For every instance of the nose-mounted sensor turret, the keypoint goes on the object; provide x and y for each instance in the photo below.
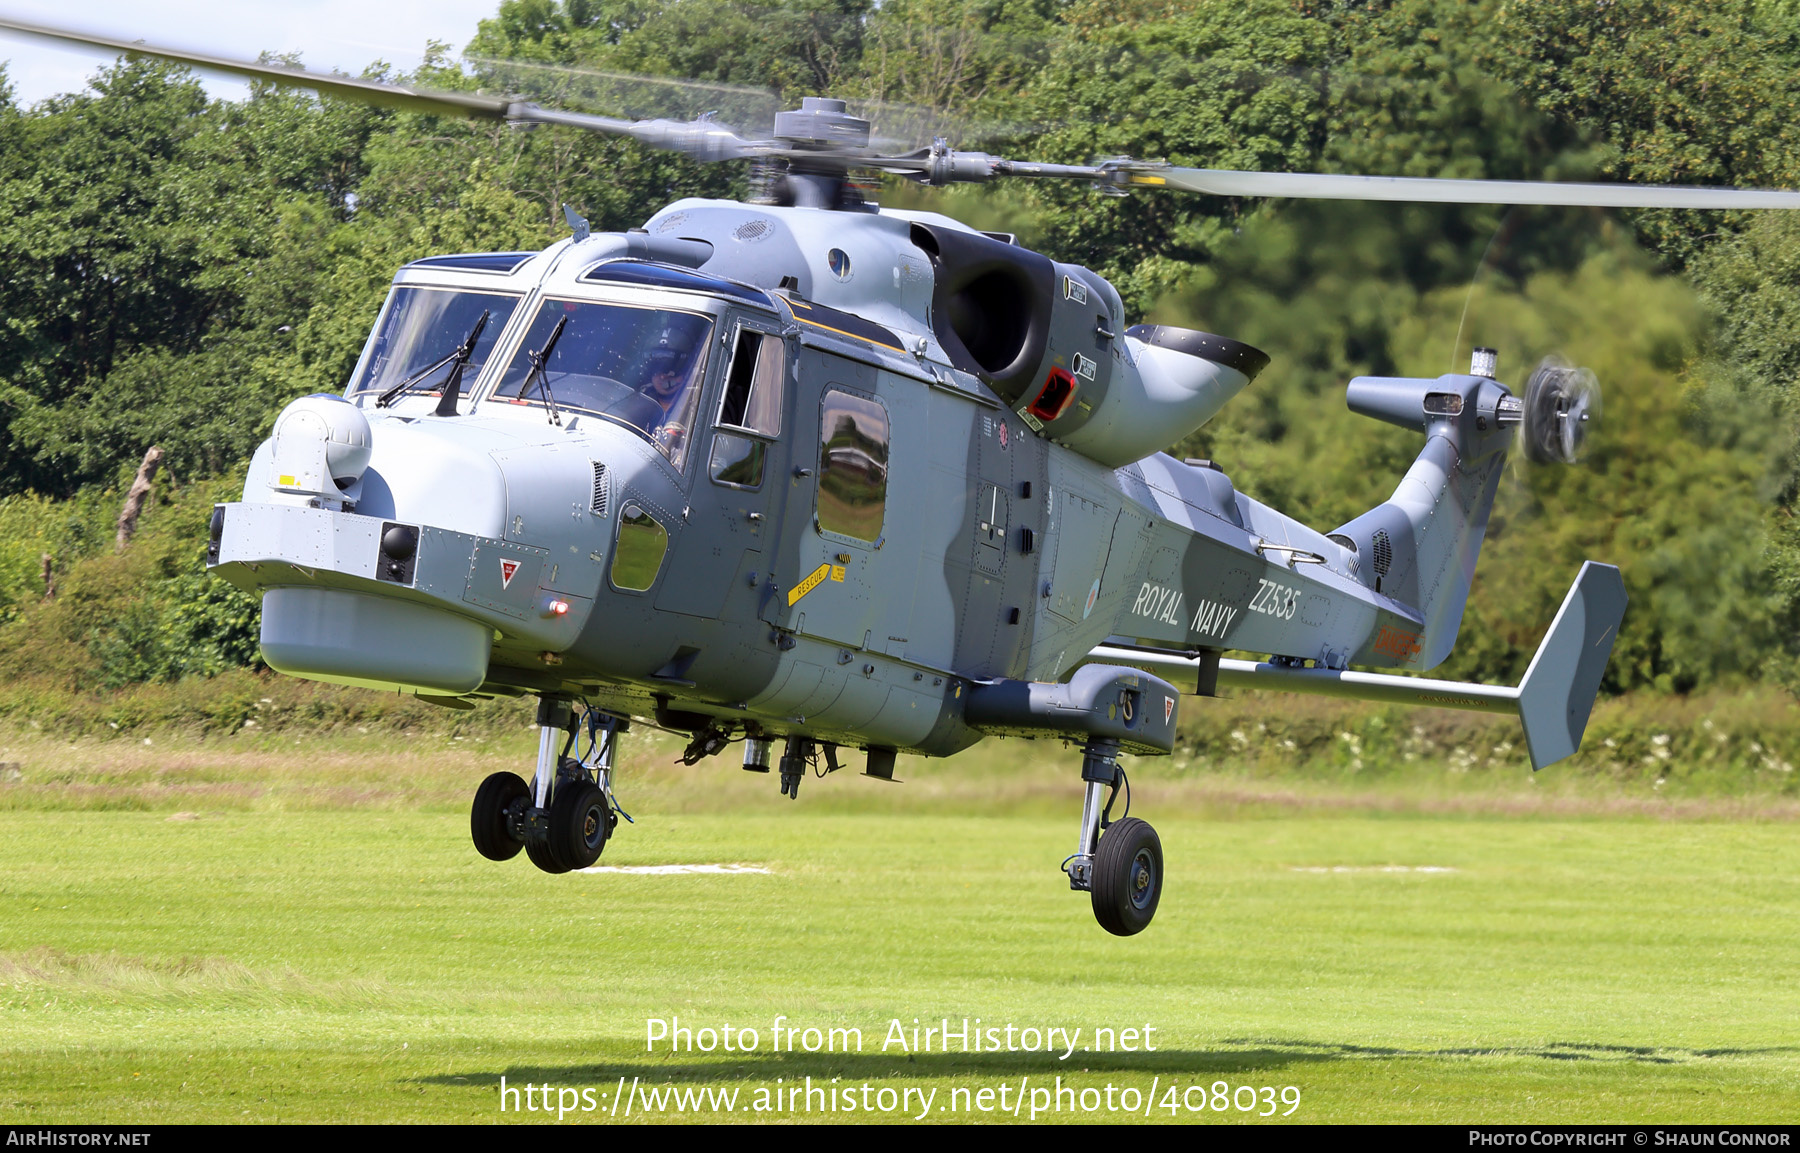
(321, 447)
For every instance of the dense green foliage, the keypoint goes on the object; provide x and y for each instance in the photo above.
(149, 613)
(176, 268)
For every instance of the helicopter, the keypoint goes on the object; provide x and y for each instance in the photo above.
(811, 471)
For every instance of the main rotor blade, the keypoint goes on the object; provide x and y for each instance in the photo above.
(630, 95)
(434, 101)
(700, 139)
(1324, 186)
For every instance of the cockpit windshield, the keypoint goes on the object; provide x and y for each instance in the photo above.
(422, 326)
(643, 367)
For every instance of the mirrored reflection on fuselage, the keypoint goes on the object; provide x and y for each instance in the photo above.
(643, 367)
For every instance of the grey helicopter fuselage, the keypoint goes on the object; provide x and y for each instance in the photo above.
(845, 476)
(884, 532)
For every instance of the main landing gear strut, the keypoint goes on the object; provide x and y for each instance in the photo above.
(1118, 863)
(562, 819)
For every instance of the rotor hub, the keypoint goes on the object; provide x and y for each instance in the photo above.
(821, 123)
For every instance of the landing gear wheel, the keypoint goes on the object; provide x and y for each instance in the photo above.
(487, 816)
(580, 821)
(1128, 872)
(544, 858)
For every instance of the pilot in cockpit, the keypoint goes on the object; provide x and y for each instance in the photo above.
(667, 375)
(667, 370)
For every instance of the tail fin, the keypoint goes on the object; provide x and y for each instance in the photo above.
(1420, 545)
(1558, 691)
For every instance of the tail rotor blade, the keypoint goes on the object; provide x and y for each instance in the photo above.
(1561, 405)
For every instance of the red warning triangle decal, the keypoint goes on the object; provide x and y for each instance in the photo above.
(508, 570)
(1168, 709)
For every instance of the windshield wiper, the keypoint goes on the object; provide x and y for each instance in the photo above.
(539, 360)
(459, 358)
(453, 382)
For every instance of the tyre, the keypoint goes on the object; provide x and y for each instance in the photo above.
(488, 823)
(580, 820)
(1128, 873)
(544, 858)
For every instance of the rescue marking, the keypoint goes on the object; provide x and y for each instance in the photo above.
(1168, 709)
(508, 570)
(814, 579)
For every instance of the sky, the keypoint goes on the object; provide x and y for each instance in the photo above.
(346, 35)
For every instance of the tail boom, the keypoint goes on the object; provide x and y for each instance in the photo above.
(1553, 701)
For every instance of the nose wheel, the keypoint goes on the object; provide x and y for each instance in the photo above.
(563, 818)
(580, 822)
(1118, 863)
(494, 817)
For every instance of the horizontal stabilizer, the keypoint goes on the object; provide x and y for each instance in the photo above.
(1553, 701)
(1557, 693)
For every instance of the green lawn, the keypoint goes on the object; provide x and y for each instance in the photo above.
(360, 962)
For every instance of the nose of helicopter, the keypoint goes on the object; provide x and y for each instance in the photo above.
(455, 539)
(325, 453)
(440, 475)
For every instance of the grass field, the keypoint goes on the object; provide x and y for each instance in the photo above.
(273, 930)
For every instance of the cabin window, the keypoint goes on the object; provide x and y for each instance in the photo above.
(423, 326)
(641, 367)
(853, 456)
(738, 460)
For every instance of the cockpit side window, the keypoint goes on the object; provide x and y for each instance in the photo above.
(753, 389)
(421, 327)
(642, 367)
(751, 404)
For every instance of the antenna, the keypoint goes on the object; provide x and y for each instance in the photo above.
(578, 224)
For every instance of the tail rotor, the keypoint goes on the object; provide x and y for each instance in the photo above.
(1561, 404)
